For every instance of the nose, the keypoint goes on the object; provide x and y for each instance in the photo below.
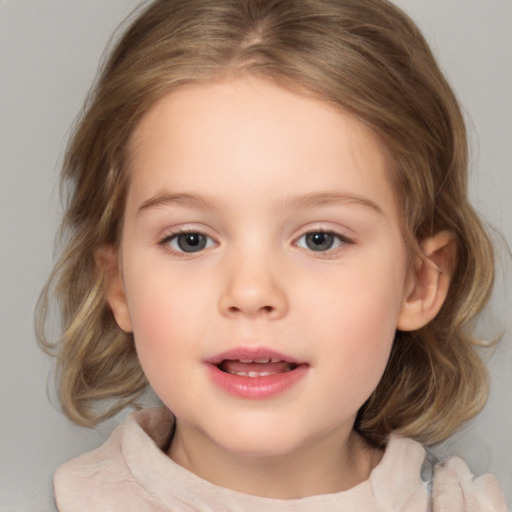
(252, 288)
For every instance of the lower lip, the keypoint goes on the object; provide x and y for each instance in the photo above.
(256, 388)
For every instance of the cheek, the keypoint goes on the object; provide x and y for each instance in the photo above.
(157, 299)
(358, 354)
(162, 346)
(359, 317)
(167, 313)
(155, 316)
(363, 340)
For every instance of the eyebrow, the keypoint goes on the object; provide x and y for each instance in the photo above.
(175, 199)
(312, 200)
(327, 198)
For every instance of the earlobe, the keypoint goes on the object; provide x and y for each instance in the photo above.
(108, 261)
(428, 282)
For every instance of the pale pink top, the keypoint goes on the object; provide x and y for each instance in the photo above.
(131, 473)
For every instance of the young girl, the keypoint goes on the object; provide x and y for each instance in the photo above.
(268, 224)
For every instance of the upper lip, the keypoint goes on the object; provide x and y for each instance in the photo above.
(254, 354)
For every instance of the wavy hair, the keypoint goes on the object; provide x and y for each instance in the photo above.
(363, 56)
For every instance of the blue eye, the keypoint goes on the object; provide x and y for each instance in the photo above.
(188, 242)
(320, 241)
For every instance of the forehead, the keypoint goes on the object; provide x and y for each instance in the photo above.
(258, 135)
(244, 103)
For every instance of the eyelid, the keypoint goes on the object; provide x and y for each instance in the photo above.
(336, 229)
(174, 233)
(343, 240)
(339, 234)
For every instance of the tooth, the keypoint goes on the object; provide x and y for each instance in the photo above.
(264, 374)
(263, 361)
(274, 360)
(254, 374)
(245, 360)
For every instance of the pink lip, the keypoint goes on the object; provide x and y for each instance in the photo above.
(251, 353)
(254, 388)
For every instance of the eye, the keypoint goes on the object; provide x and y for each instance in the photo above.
(321, 241)
(188, 242)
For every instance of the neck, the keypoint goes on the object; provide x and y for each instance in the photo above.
(316, 468)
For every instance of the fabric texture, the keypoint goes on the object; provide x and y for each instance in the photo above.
(131, 473)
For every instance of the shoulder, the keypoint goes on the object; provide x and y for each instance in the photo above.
(456, 489)
(409, 477)
(104, 479)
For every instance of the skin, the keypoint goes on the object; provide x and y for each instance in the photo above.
(254, 168)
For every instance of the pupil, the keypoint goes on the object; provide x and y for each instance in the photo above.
(319, 241)
(191, 242)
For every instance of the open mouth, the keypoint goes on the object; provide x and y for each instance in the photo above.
(253, 368)
(253, 373)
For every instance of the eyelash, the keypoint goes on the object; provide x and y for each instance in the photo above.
(338, 239)
(168, 239)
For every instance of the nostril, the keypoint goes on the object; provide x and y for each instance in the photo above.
(253, 302)
(264, 309)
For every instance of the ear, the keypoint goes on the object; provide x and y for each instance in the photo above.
(108, 261)
(428, 282)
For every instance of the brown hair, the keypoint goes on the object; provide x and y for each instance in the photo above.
(364, 56)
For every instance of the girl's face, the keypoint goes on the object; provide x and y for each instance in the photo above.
(263, 265)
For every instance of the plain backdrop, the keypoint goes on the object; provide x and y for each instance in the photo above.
(49, 51)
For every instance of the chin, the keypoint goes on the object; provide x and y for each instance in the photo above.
(260, 440)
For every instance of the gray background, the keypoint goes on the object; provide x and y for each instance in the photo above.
(49, 50)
